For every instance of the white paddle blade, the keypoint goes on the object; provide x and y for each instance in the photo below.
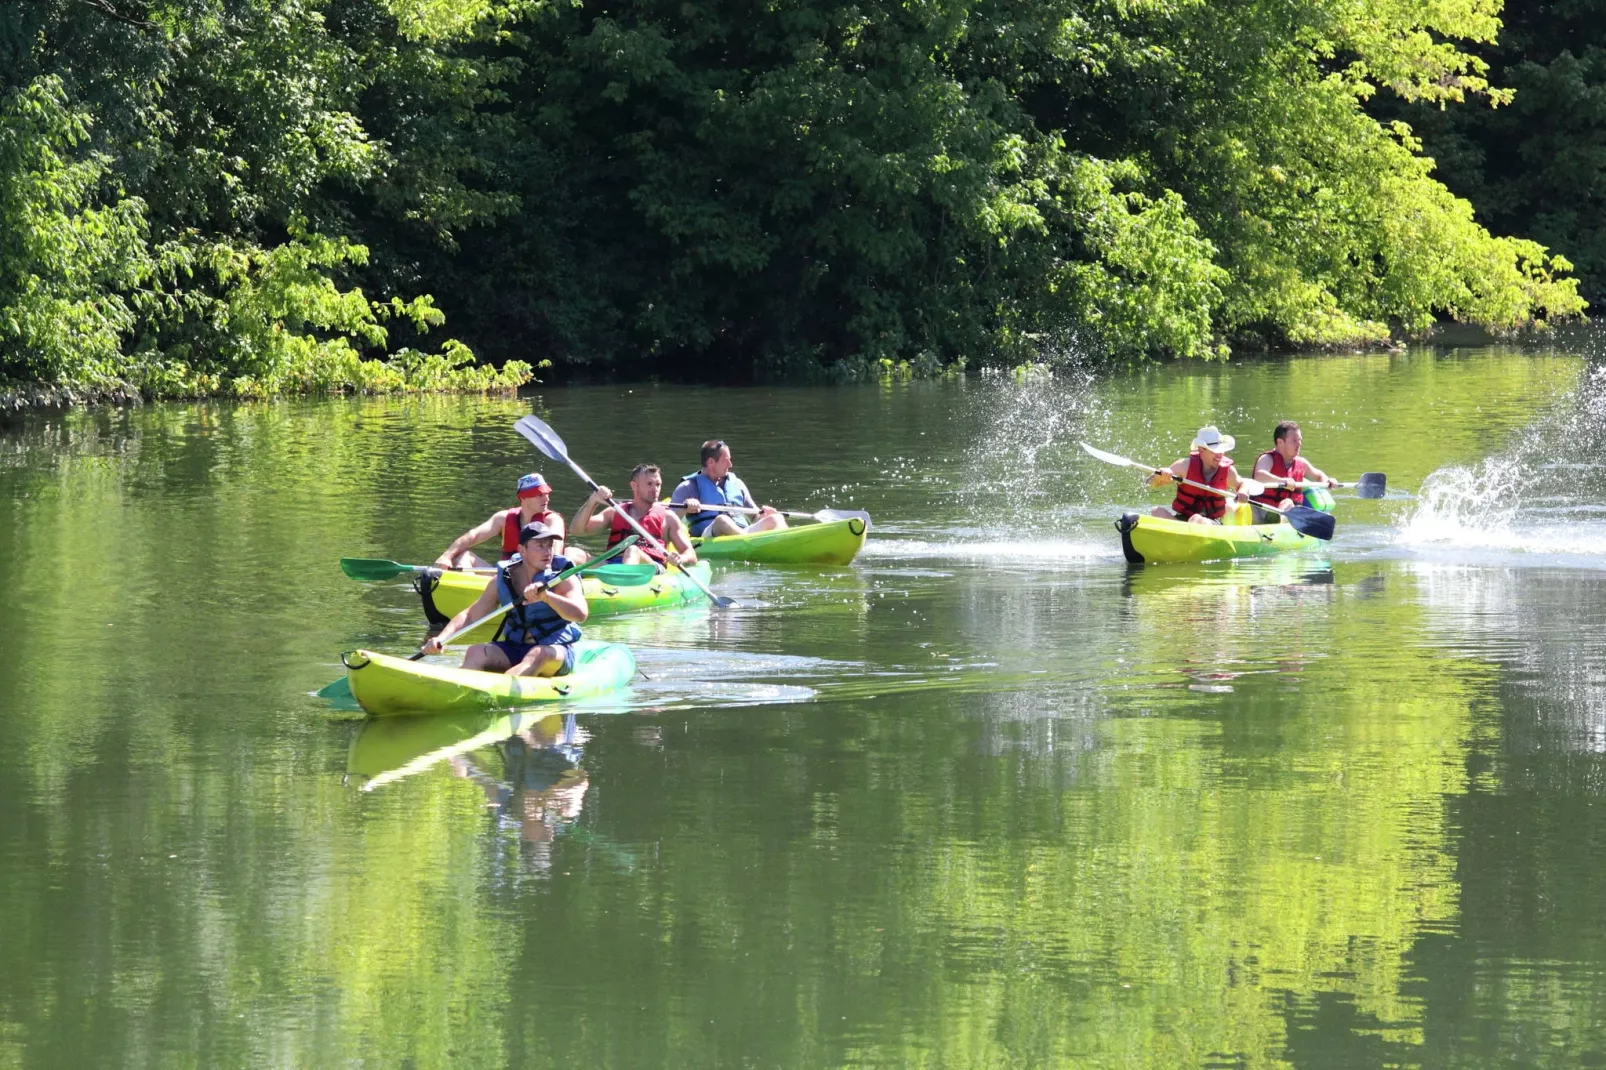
(1111, 458)
(1252, 487)
(825, 516)
(542, 438)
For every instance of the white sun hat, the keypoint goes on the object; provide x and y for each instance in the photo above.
(1213, 440)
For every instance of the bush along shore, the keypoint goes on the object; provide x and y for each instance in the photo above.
(256, 197)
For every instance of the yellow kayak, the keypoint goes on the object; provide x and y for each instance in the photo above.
(447, 593)
(383, 685)
(1159, 540)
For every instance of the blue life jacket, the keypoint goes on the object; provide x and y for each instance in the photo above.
(532, 623)
(708, 492)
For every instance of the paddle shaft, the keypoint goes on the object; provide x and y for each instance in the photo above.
(1249, 487)
(822, 516)
(619, 510)
(572, 570)
(562, 454)
(1244, 485)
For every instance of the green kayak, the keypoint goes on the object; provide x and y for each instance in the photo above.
(835, 542)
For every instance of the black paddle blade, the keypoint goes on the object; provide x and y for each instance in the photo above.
(1371, 485)
(542, 438)
(1312, 522)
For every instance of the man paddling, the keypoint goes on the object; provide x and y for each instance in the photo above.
(534, 496)
(538, 634)
(1207, 462)
(715, 484)
(646, 482)
(1282, 464)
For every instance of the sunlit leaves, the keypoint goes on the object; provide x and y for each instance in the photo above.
(65, 262)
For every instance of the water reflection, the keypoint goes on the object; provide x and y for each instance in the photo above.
(527, 765)
(988, 797)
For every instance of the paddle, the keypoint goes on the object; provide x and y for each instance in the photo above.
(824, 516)
(547, 441)
(340, 688)
(1370, 485)
(375, 568)
(1302, 518)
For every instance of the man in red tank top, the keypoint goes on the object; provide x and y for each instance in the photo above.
(1207, 462)
(1283, 464)
(534, 495)
(646, 483)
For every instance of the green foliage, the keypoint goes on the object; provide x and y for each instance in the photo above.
(66, 264)
(1536, 166)
(191, 245)
(698, 187)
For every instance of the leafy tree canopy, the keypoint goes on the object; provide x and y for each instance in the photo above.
(258, 195)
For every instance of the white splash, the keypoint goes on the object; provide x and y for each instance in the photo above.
(1484, 508)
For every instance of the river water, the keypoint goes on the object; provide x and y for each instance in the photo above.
(989, 797)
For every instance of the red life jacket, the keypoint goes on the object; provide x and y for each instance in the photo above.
(511, 525)
(1191, 501)
(652, 524)
(1277, 495)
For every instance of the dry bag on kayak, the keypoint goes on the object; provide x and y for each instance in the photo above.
(1319, 498)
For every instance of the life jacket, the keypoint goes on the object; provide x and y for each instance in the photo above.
(1280, 468)
(511, 525)
(652, 524)
(1191, 501)
(706, 491)
(533, 623)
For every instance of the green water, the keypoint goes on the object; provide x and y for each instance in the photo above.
(989, 797)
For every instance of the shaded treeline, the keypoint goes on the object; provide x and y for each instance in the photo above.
(1536, 166)
(256, 195)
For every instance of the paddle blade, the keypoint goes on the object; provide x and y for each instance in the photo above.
(542, 438)
(1252, 487)
(1371, 485)
(335, 690)
(373, 568)
(1312, 522)
(624, 575)
(825, 516)
(1111, 458)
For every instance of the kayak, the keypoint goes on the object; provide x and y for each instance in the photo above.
(386, 749)
(1159, 540)
(447, 593)
(835, 542)
(384, 685)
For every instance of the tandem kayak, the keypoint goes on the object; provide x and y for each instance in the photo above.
(1158, 540)
(445, 594)
(835, 542)
(385, 685)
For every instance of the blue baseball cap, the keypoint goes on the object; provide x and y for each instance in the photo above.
(533, 484)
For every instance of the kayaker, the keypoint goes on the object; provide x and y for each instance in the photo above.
(538, 634)
(1207, 462)
(646, 483)
(534, 495)
(1283, 464)
(715, 484)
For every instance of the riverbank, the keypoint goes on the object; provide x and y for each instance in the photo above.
(378, 378)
